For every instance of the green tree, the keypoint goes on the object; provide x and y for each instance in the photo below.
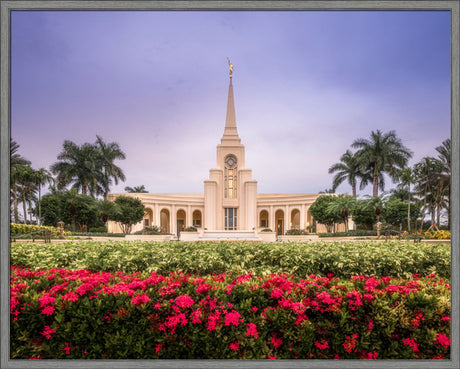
(321, 214)
(342, 205)
(395, 212)
(367, 211)
(16, 161)
(108, 153)
(382, 153)
(444, 156)
(350, 170)
(79, 166)
(25, 177)
(51, 210)
(106, 209)
(406, 177)
(130, 211)
(41, 177)
(136, 189)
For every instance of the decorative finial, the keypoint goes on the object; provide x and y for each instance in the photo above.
(231, 67)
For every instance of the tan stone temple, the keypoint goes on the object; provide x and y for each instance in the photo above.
(230, 207)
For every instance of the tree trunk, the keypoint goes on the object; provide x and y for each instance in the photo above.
(84, 189)
(408, 212)
(39, 205)
(15, 205)
(353, 190)
(375, 186)
(24, 206)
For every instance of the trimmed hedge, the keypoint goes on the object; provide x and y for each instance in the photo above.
(61, 314)
(19, 229)
(343, 259)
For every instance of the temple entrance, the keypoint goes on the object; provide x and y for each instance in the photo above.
(279, 221)
(164, 221)
(180, 222)
(263, 219)
(295, 219)
(197, 219)
(148, 217)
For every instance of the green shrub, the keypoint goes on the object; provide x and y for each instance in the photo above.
(356, 233)
(20, 229)
(266, 230)
(343, 259)
(62, 314)
(295, 232)
(97, 230)
(191, 229)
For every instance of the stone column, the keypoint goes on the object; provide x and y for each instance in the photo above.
(173, 216)
(189, 216)
(287, 218)
(271, 218)
(156, 215)
(302, 217)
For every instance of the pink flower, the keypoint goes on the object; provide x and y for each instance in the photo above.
(184, 301)
(66, 349)
(252, 330)
(196, 316)
(48, 310)
(276, 341)
(322, 345)
(47, 332)
(271, 358)
(140, 299)
(410, 342)
(46, 299)
(442, 340)
(159, 347)
(70, 296)
(233, 317)
(235, 346)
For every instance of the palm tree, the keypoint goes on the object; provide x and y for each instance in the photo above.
(42, 176)
(78, 165)
(136, 189)
(26, 180)
(445, 153)
(406, 176)
(348, 169)
(105, 209)
(16, 161)
(108, 153)
(382, 153)
(342, 205)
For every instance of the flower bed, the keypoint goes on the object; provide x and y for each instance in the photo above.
(78, 314)
(343, 259)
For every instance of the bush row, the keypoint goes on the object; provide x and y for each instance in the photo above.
(343, 259)
(61, 314)
(19, 229)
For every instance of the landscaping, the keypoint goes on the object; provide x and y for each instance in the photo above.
(224, 300)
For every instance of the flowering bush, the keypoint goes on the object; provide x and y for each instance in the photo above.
(19, 229)
(438, 235)
(79, 314)
(343, 259)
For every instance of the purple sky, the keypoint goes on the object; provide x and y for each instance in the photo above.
(306, 84)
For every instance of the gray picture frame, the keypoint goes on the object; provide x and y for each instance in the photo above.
(8, 6)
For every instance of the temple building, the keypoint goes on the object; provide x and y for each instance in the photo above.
(230, 206)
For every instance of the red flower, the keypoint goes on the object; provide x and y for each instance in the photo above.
(276, 342)
(159, 347)
(410, 342)
(184, 301)
(70, 296)
(322, 345)
(235, 346)
(233, 317)
(252, 330)
(140, 299)
(47, 332)
(442, 340)
(48, 310)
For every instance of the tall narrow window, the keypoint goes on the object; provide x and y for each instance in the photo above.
(230, 175)
(230, 219)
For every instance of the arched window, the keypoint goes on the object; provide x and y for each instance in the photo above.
(263, 219)
(230, 177)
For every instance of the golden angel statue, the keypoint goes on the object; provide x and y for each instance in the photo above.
(231, 67)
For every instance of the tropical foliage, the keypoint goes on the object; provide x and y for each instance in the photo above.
(398, 259)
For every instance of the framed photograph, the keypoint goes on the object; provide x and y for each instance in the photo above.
(230, 183)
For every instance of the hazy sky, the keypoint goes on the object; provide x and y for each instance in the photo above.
(306, 85)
